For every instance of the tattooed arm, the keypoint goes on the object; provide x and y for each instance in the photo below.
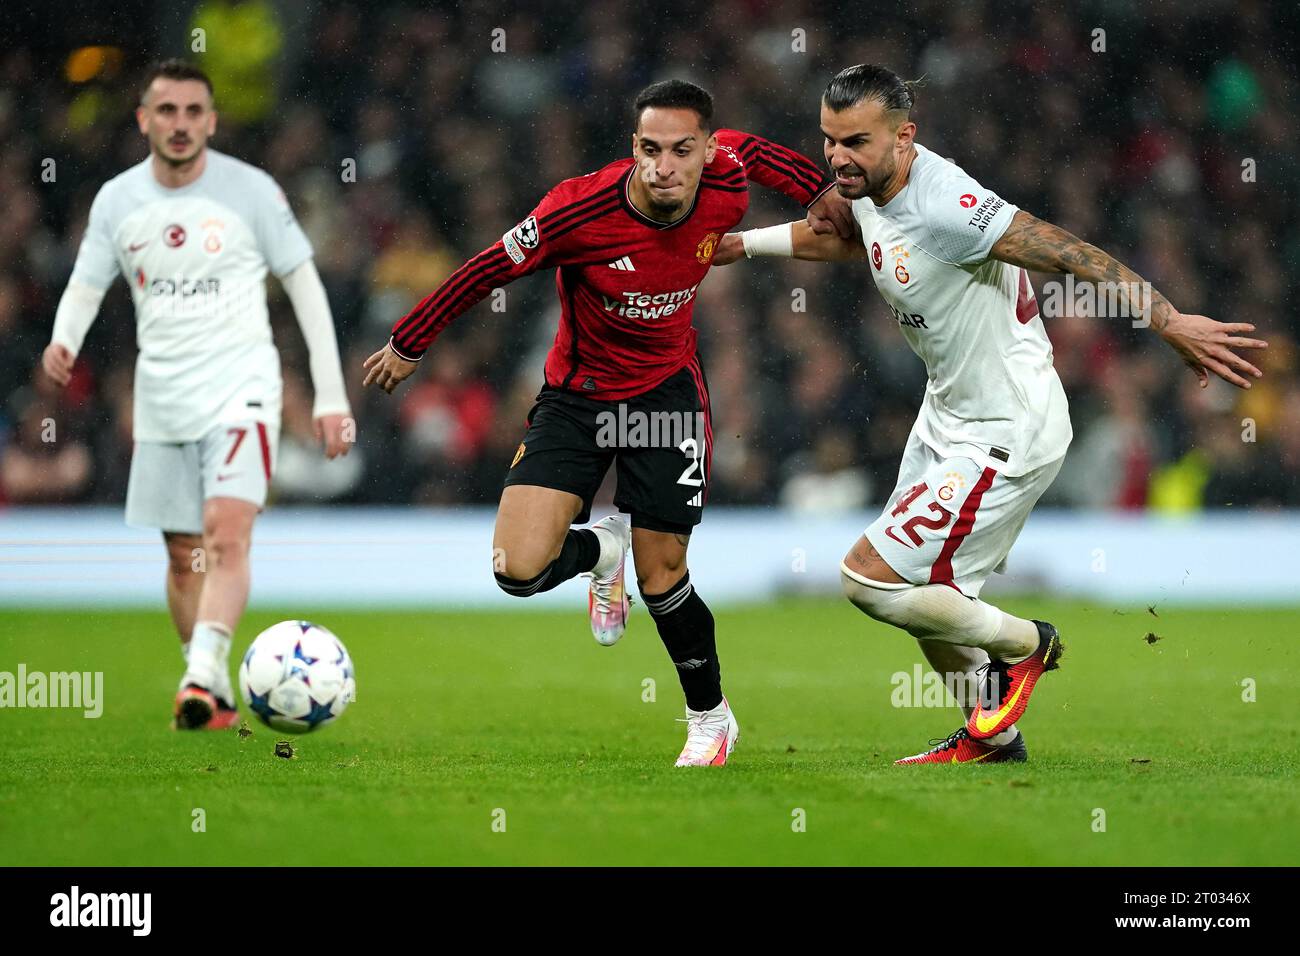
(1203, 344)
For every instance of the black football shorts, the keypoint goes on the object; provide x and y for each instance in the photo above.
(661, 442)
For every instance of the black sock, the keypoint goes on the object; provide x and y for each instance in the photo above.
(686, 628)
(579, 553)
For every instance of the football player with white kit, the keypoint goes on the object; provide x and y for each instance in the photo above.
(951, 260)
(194, 232)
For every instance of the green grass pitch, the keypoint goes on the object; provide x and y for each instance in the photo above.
(463, 715)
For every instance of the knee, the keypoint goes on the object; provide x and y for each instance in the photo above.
(854, 591)
(185, 565)
(182, 559)
(225, 541)
(514, 574)
(659, 578)
(520, 578)
(877, 600)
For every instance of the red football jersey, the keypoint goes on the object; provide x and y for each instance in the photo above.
(626, 282)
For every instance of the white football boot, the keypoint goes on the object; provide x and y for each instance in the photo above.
(607, 601)
(711, 736)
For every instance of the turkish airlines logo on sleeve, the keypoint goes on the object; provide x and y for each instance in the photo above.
(967, 201)
(988, 209)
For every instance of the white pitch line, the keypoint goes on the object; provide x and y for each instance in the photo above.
(288, 542)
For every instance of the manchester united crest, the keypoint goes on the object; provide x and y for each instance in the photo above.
(704, 251)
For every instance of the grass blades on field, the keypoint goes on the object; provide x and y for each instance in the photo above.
(466, 719)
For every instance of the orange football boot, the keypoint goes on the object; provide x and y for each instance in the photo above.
(959, 748)
(1004, 694)
(199, 709)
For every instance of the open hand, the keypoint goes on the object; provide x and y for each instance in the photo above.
(387, 369)
(1207, 346)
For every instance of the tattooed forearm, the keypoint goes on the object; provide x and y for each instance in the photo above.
(1042, 247)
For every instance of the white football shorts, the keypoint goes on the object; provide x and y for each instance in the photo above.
(951, 521)
(170, 481)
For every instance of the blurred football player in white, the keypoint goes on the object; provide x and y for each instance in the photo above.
(194, 232)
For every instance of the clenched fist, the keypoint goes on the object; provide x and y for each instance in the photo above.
(57, 361)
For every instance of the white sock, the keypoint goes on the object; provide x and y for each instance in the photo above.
(1017, 637)
(185, 652)
(611, 551)
(1002, 739)
(959, 666)
(209, 656)
(941, 613)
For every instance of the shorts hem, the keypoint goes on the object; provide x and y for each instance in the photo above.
(261, 505)
(885, 554)
(587, 498)
(650, 523)
(144, 525)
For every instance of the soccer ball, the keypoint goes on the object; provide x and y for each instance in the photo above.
(297, 676)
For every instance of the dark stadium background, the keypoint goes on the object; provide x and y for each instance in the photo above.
(1162, 741)
(1139, 149)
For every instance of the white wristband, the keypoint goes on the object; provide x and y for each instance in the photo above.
(769, 241)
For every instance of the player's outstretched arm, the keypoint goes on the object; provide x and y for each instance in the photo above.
(414, 332)
(552, 235)
(791, 240)
(1203, 344)
(793, 174)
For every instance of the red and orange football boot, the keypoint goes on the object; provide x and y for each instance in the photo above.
(225, 718)
(959, 748)
(1004, 695)
(199, 709)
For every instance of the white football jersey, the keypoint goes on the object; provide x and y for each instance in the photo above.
(196, 260)
(992, 393)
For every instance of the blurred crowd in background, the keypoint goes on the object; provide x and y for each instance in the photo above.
(1169, 140)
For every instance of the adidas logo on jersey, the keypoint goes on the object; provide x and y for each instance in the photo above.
(623, 265)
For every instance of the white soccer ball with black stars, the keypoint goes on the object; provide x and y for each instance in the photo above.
(297, 676)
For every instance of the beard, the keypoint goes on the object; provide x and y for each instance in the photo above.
(664, 210)
(853, 192)
(872, 182)
(172, 160)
